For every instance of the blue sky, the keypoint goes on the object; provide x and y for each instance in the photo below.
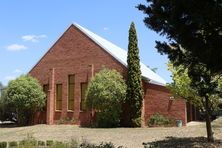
(29, 28)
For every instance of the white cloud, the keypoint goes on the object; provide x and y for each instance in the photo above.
(105, 28)
(15, 47)
(8, 78)
(17, 71)
(33, 38)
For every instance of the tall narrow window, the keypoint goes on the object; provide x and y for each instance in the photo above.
(83, 95)
(58, 96)
(71, 89)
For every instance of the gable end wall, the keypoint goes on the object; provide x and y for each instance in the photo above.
(73, 53)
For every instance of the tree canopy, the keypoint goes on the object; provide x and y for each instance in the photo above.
(105, 94)
(26, 96)
(193, 29)
(182, 87)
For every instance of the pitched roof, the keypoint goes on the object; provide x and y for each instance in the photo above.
(121, 55)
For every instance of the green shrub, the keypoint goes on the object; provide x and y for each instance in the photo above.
(86, 144)
(106, 145)
(41, 143)
(3, 144)
(49, 142)
(58, 144)
(136, 122)
(160, 120)
(107, 119)
(12, 144)
(26, 95)
(74, 143)
(105, 94)
(29, 142)
(21, 142)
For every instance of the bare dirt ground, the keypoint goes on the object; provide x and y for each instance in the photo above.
(189, 136)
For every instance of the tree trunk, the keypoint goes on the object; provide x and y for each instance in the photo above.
(210, 137)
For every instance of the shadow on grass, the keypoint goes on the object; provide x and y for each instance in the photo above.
(12, 125)
(176, 142)
(8, 125)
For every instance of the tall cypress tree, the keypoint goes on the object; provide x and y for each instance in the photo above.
(134, 94)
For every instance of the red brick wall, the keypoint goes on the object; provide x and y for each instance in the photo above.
(72, 54)
(157, 100)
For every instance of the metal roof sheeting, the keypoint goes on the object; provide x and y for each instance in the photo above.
(121, 55)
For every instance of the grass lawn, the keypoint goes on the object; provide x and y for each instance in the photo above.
(189, 136)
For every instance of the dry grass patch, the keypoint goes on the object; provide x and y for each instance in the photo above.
(128, 137)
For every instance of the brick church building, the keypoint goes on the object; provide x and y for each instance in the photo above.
(66, 69)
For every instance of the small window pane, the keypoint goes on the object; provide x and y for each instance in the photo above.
(83, 95)
(71, 105)
(71, 92)
(59, 97)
